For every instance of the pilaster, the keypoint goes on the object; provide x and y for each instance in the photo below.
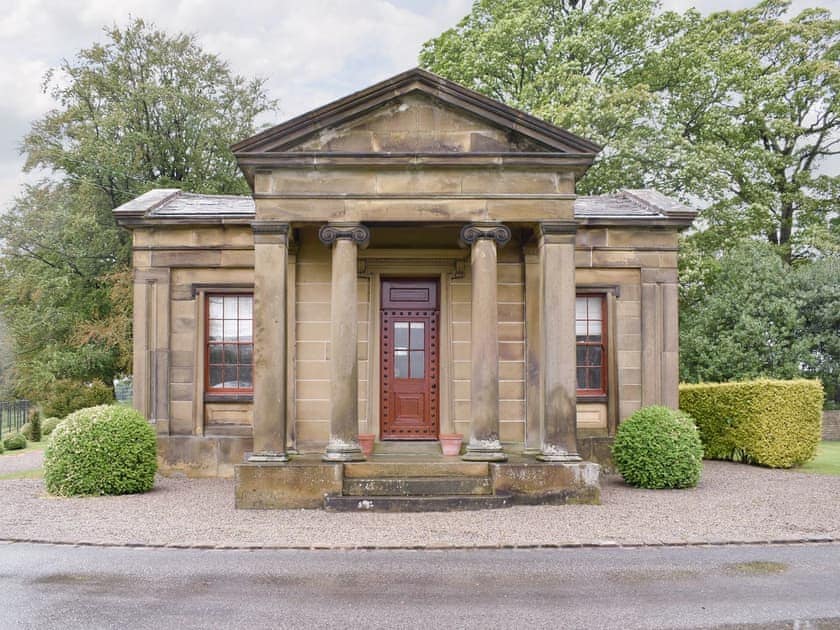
(559, 387)
(271, 241)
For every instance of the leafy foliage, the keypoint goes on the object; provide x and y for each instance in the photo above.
(818, 297)
(737, 109)
(66, 396)
(750, 100)
(35, 423)
(765, 422)
(657, 447)
(146, 107)
(743, 322)
(49, 425)
(109, 449)
(573, 63)
(142, 109)
(14, 442)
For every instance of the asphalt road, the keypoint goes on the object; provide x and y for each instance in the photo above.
(794, 586)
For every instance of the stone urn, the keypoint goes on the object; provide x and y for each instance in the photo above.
(450, 443)
(366, 441)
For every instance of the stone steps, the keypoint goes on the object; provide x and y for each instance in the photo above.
(416, 486)
(341, 503)
(406, 468)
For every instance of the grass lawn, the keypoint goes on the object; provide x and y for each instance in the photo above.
(30, 446)
(37, 473)
(827, 460)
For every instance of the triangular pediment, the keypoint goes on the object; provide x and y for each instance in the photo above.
(415, 112)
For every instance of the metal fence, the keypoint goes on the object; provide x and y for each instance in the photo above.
(13, 415)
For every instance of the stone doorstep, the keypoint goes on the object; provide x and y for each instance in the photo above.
(339, 503)
(417, 486)
(306, 482)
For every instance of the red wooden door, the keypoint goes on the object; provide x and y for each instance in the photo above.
(409, 326)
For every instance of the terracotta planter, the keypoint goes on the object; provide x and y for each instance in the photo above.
(366, 441)
(450, 443)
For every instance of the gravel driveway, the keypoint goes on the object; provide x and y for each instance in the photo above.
(733, 503)
(20, 462)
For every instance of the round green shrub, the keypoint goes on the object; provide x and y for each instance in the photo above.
(26, 430)
(67, 395)
(2, 448)
(48, 425)
(658, 447)
(14, 441)
(109, 449)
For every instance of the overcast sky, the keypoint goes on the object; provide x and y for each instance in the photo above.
(311, 51)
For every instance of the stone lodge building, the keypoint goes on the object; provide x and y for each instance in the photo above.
(413, 262)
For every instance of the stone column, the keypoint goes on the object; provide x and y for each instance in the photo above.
(271, 241)
(557, 260)
(344, 371)
(484, 444)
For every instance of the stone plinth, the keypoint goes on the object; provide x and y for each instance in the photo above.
(269, 485)
(544, 483)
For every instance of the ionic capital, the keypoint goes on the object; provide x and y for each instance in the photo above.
(331, 232)
(473, 232)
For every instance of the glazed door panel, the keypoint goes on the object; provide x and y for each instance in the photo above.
(409, 325)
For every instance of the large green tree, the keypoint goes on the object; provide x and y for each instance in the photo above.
(146, 108)
(143, 109)
(749, 102)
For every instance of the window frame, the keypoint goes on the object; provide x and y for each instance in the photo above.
(215, 393)
(601, 393)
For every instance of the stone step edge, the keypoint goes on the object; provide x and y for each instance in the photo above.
(448, 503)
(355, 486)
(368, 470)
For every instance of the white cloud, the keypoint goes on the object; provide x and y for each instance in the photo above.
(311, 51)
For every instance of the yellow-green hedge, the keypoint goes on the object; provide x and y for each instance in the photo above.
(766, 422)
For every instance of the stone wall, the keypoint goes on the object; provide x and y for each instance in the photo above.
(831, 425)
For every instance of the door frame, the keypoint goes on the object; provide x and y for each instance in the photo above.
(431, 391)
(445, 268)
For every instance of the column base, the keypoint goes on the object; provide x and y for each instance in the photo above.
(343, 452)
(267, 456)
(557, 454)
(484, 451)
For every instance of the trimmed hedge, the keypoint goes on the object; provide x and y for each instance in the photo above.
(657, 447)
(767, 422)
(14, 442)
(109, 449)
(66, 396)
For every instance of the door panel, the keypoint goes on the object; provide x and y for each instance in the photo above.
(409, 326)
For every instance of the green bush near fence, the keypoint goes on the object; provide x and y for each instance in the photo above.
(109, 449)
(48, 425)
(766, 422)
(657, 447)
(66, 396)
(14, 442)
